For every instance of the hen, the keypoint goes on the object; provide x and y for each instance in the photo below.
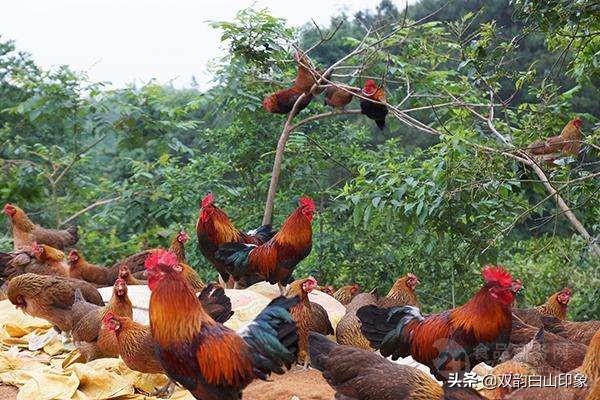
(25, 232)
(345, 294)
(372, 110)
(567, 143)
(356, 374)
(557, 306)
(89, 335)
(309, 316)
(50, 297)
(276, 259)
(453, 341)
(214, 229)
(581, 332)
(80, 268)
(402, 293)
(338, 98)
(205, 357)
(38, 259)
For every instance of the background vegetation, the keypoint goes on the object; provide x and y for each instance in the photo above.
(130, 165)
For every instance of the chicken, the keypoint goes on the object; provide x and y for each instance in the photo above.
(345, 294)
(24, 261)
(327, 289)
(356, 374)
(53, 259)
(25, 232)
(337, 98)
(89, 335)
(276, 259)
(50, 297)
(125, 274)
(210, 360)
(135, 342)
(348, 330)
(282, 102)
(535, 354)
(214, 229)
(565, 144)
(309, 316)
(557, 306)
(100, 276)
(581, 332)
(374, 111)
(500, 371)
(559, 353)
(453, 341)
(590, 370)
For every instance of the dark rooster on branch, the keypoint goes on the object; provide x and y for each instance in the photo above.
(214, 228)
(275, 260)
(374, 111)
(283, 101)
(356, 374)
(453, 341)
(210, 360)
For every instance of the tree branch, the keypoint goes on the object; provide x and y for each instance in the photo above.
(89, 208)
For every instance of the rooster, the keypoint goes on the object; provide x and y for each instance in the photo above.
(25, 232)
(214, 229)
(210, 360)
(565, 144)
(374, 111)
(282, 102)
(276, 259)
(50, 297)
(309, 316)
(455, 340)
(357, 374)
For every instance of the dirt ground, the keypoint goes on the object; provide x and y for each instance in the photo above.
(304, 385)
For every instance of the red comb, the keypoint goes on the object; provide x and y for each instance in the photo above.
(208, 200)
(497, 274)
(306, 201)
(161, 257)
(120, 281)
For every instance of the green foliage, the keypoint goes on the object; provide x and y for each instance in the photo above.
(388, 202)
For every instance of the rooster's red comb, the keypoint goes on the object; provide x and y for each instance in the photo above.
(208, 200)
(161, 257)
(498, 275)
(307, 202)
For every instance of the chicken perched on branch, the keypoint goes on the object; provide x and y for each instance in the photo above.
(214, 229)
(557, 306)
(210, 360)
(309, 316)
(276, 259)
(402, 293)
(25, 232)
(374, 111)
(565, 144)
(338, 98)
(453, 341)
(283, 101)
(345, 294)
(357, 374)
(50, 297)
(89, 335)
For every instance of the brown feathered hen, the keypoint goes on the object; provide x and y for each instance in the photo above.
(309, 316)
(42, 262)
(565, 144)
(345, 294)
(581, 332)
(25, 232)
(557, 306)
(50, 297)
(89, 335)
(338, 98)
(357, 374)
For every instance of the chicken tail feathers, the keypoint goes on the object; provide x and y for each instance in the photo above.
(384, 327)
(319, 348)
(216, 303)
(273, 338)
(73, 231)
(380, 123)
(263, 232)
(235, 256)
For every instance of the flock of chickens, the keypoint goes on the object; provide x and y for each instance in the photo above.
(187, 341)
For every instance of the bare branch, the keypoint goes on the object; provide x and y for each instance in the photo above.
(89, 208)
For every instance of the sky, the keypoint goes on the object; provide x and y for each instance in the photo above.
(133, 41)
